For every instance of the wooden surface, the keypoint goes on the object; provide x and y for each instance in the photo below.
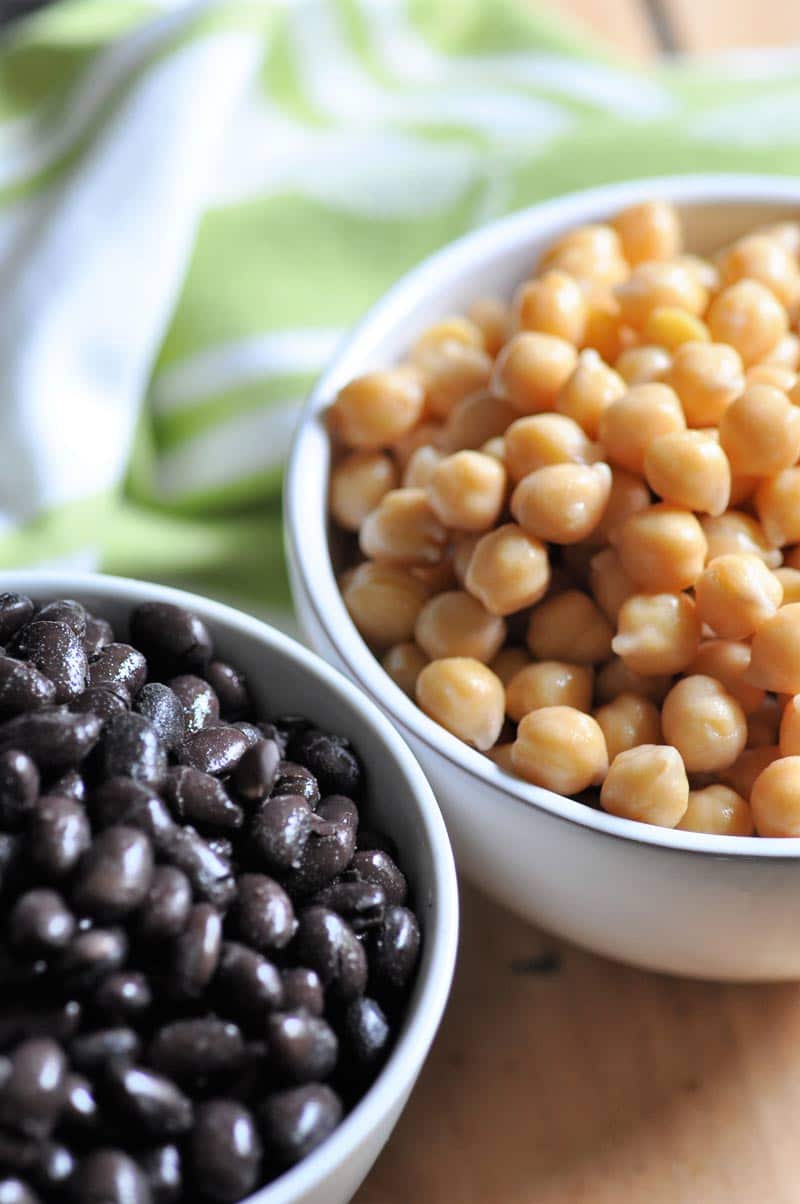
(564, 1078)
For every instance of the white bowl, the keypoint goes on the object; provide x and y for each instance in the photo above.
(286, 677)
(685, 903)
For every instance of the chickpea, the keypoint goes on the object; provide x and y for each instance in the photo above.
(452, 371)
(420, 467)
(553, 304)
(649, 230)
(760, 431)
(403, 529)
(462, 550)
(508, 663)
(706, 377)
(649, 784)
(774, 375)
(549, 684)
(662, 548)
(628, 721)
(786, 233)
(764, 724)
(493, 319)
(736, 531)
(560, 749)
(629, 495)
(467, 491)
(404, 663)
(569, 627)
(358, 484)
(427, 434)
(703, 270)
(742, 489)
(465, 697)
(437, 577)
(775, 652)
(474, 420)
(669, 327)
(790, 583)
(657, 633)
(705, 723)
(728, 662)
(643, 365)
(748, 317)
(735, 594)
(454, 329)
(778, 506)
(719, 811)
(753, 761)
(789, 730)
(628, 426)
(775, 798)
(496, 448)
(605, 333)
(590, 388)
(384, 602)
(531, 370)
(615, 678)
(592, 254)
(609, 583)
(541, 439)
(758, 257)
(374, 410)
(562, 503)
(508, 570)
(687, 468)
(454, 624)
(655, 284)
(785, 354)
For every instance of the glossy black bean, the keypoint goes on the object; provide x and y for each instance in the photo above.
(54, 1169)
(70, 785)
(65, 610)
(196, 953)
(270, 732)
(55, 740)
(10, 855)
(15, 1191)
(253, 778)
(23, 687)
(34, 1092)
(99, 633)
(294, 1122)
(19, 788)
(123, 998)
(198, 798)
(199, 704)
(40, 923)
(58, 835)
(104, 701)
(302, 989)
(292, 727)
(215, 750)
(18, 1022)
(365, 1031)
(360, 903)
(109, 1176)
(250, 732)
(131, 748)
(291, 778)
(329, 848)
(231, 689)
(191, 1049)
(173, 638)
(15, 611)
(162, 707)
(328, 945)
(57, 652)
(225, 1151)
(222, 846)
(123, 801)
(95, 1051)
(330, 759)
(165, 912)
(264, 913)
(162, 1166)
(280, 830)
(115, 874)
(209, 874)
(119, 665)
(246, 984)
(91, 956)
(303, 1048)
(377, 867)
(394, 948)
(80, 1111)
(149, 1101)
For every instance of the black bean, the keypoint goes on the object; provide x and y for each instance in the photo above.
(165, 912)
(91, 956)
(34, 1092)
(377, 867)
(210, 875)
(104, 701)
(199, 704)
(247, 984)
(99, 633)
(366, 1031)
(265, 915)
(330, 759)
(54, 1168)
(250, 732)
(132, 748)
(190, 1049)
(15, 611)
(230, 686)
(162, 1166)
(58, 835)
(57, 652)
(95, 1051)
(302, 1047)
(302, 989)
(148, 1100)
(65, 610)
(119, 665)
(40, 923)
(173, 638)
(18, 1154)
(291, 778)
(360, 903)
(115, 874)
(198, 798)
(162, 707)
(196, 952)
(222, 847)
(10, 853)
(110, 1177)
(270, 732)
(225, 1151)
(296, 1121)
(21, 1021)
(80, 1110)
(70, 785)
(280, 830)
(394, 948)
(123, 997)
(55, 739)
(292, 727)
(329, 848)
(328, 945)
(19, 788)
(215, 750)
(14, 1191)
(123, 801)
(23, 687)
(253, 777)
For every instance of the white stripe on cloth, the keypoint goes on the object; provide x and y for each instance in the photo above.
(759, 121)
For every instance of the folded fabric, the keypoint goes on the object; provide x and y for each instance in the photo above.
(197, 199)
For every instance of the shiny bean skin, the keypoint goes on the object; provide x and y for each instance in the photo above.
(148, 1100)
(34, 1091)
(57, 652)
(123, 998)
(119, 665)
(80, 1106)
(19, 789)
(187, 1049)
(109, 1176)
(65, 610)
(302, 1047)
(134, 805)
(251, 733)
(378, 868)
(173, 638)
(14, 1191)
(163, 708)
(329, 848)
(40, 923)
(361, 904)
(199, 704)
(91, 956)
(302, 989)
(131, 748)
(94, 1051)
(10, 856)
(280, 829)
(247, 984)
(21, 1021)
(231, 689)
(70, 785)
(395, 948)
(296, 1121)
(165, 912)
(265, 916)
(196, 953)
(55, 740)
(103, 701)
(23, 687)
(198, 798)
(99, 633)
(115, 874)
(331, 761)
(328, 945)
(254, 776)
(209, 874)
(54, 1169)
(58, 834)
(214, 750)
(225, 1150)
(162, 1166)
(366, 1031)
(15, 611)
(292, 778)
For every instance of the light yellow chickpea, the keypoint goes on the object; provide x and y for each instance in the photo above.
(705, 723)
(789, 730)
(426, 434)
(687, 468)
(376, 409)
(643, 365)
(703, 270)
(562, 503)
(590, 388)
(649, 784)
(605, 332)
(540, 439)
(553, 304)
(508, 570)
(560, 749)
(719, 811)
(706, 377)
(609, 583)
(728, 662)
(790, 583)
(454, 329)
(628, 495)
(786, 353)
(501, 755)
(592, 254)
(403, 529)
(455, 624)
(508, 663)
(474, 420)
(628, 426)
(774, 375)
(496, 448)
(753, 761)
(777, 502)
(615, 678)
(465, 697)
(736, 531)
(775, 798)
(404, 663)
(662, 548)
(628, 721)
(759, 257)
(670, 327)
(760, 431)
(775, 652)
(764, 724)
(654, 284)
(569, 627)
(549, 684)
(450, 372)
(735, 594)
(384, 602)
(467, 491)
(532, 369)
(462, 548)
(657, 633)
(749, 317)
(358, 484)
(420, 467)
(493, 318)
(786, 233)
(649, 230)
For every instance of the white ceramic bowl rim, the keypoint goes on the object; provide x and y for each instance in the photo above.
(305, 487)
(441, 933)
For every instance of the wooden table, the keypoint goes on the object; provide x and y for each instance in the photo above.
(566, 1079)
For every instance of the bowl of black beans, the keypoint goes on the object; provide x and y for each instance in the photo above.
(228, 905)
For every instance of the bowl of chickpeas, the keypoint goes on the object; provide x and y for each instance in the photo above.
(544, 507)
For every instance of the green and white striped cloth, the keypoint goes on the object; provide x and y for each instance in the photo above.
(198, 198)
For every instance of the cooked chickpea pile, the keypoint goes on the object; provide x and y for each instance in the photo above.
(578, 517)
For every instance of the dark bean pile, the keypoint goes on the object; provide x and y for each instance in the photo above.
(203, 955)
